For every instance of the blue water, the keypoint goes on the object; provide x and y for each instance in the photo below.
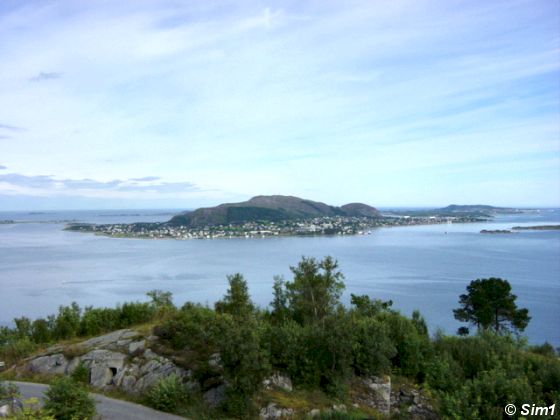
(418, 267)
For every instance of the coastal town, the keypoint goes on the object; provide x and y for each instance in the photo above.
(328, 225)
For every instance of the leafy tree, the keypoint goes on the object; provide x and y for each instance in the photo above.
(490, 305)
(132, 313)
(41, 331)
(161, 299)
(280, 302)
(67, 322)
(236, 302)
(372, 348)
(66, 400)
(419, 322)
(368, 307)
(23, 327)
(315, 290)
(245, 361)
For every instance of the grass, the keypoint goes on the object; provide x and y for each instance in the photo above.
(303, 401)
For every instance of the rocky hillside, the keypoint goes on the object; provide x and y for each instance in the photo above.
(125, 360)
(120, 359)
(272, 208)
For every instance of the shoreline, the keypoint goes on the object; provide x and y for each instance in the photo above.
(182, 233)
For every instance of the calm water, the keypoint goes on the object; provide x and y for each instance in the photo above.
(423, 267)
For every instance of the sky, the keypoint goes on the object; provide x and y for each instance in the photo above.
(181, 104)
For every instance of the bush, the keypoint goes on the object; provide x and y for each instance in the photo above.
(135, 313)
(168, 394)
(8, 390)
(16, 349)
(67, 400)
(194, 326)
(81, 374)
(99, 320)
(372, 348)
(412, 346)
(245, 362)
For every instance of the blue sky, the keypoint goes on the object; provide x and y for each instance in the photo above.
(181, 104)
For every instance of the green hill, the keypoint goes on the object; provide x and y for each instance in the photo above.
(272, 208)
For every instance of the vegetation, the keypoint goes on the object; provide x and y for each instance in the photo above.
(71, 321)
(308, 335)
(321, 345)
(67, 400)
(490, 305)
(168, 394)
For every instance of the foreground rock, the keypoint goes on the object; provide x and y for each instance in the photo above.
(273, 412)
(115, 360)
(378, 393)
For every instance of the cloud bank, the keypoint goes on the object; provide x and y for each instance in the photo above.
(44, 185)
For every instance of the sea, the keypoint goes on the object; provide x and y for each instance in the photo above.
(417, 267)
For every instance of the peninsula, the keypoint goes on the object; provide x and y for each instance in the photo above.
(264, 216)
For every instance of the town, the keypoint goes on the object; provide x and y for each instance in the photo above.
(333, 225)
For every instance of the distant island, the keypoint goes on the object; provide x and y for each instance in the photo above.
(496, 231)
(272, 208)
(471, 210)
(275, 215)
(542, 227)
(538, 227)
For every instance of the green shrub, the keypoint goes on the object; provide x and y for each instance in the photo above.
(67, 400)
(412, 346)
(372, 348)
(245, 361)
(16, 349)
(168, 394)
(8, 390)
(135, 313)
(81, 374)
(194, 326)
(99, 320)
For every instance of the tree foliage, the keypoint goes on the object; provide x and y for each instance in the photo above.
(236, 302)
(490, 305)
(315, 290)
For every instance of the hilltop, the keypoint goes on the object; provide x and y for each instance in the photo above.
(271, 208)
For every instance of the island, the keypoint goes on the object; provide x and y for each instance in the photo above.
(541, 227)
(496, 231)
(265, 216)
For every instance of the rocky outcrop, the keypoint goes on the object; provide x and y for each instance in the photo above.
(375, 392)
(273, 412)
(411, 401)
(214, 397)
(119, 359)
(53, 364)
(279, 381)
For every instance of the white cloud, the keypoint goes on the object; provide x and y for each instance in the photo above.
(287, 98)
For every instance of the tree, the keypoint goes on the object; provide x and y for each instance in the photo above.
(315, 291)
(67, 322)
(161, 299)
(237, 301)
(490, 305)
(280, 301)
